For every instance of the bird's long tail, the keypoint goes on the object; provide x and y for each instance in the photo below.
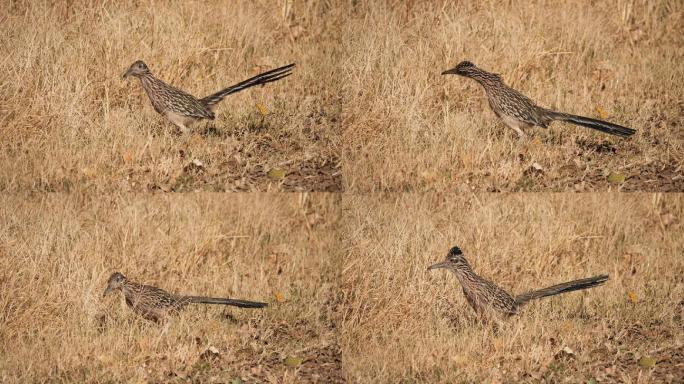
(263, 78)
(599, 125)
(233, 302)
(570, 286)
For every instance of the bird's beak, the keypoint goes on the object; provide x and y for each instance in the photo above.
(451, 71)
(107, 291)
(128, 72)
(443, 264)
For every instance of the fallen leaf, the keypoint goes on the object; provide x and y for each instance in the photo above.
(89, 171)
(292, 361)
(616, 178)
(128, 157)
(632, 297)
(602, 113)
(279, 297)
(667, 219)
(647, 362)
(461, 360)
(262, 109)
(196, 139)
(429, 176)
(276, 173)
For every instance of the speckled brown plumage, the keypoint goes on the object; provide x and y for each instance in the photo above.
(488, 299)
(518, 111)
(182, 108)
(156, 304)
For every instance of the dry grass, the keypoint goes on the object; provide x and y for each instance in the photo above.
(407, 128)
(70, 123)
(57, 252)
(415, 326)
(365, 111)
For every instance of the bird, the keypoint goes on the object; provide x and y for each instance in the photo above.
(183, 109)
(517, 111)
(156, 304)
(489, 300)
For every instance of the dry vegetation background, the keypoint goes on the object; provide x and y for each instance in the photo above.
(57, 252)
(406, 127)
(415, 326)
(366, 110)
(71, 123)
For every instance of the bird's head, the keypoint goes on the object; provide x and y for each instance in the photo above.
(454, 261)
(137, 69)
(464, 68)
(116, 281)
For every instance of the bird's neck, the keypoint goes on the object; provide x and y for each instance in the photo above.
(130, 288)
(486, 79)
(466, 276)
(149, 82)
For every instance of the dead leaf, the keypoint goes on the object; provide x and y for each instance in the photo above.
(647, 362)
(292, 361)
(602, 113)
(89, 172)
(128, 157)
(632, 297)
(279, 296)
(499, 344)
(667, 219)
(276, 173)
(262, 109)
(429, 176)
(461, 360)
(196, 138)
(616, 178)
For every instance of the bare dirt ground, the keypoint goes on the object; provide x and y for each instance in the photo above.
(71, 123)
(402, 323)
(408, 128)
(57, 252)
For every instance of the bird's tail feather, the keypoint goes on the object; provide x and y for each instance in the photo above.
(570, 286)
(263, 78)
(233, 302)
(599, 125)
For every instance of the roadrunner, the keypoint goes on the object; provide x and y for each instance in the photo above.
(183, 109)
(156, 304)
(518, 111)
(487, 298)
